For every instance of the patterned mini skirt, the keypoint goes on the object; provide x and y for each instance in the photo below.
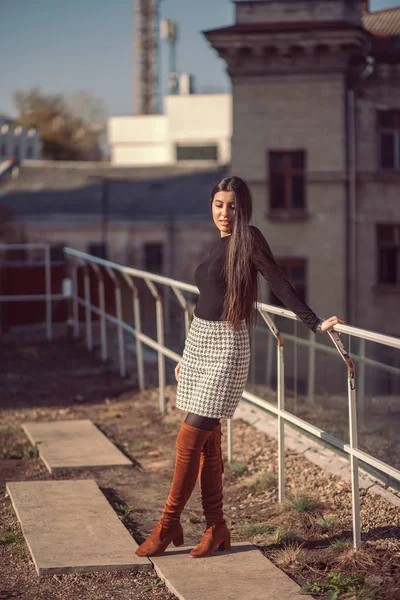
(214, 368)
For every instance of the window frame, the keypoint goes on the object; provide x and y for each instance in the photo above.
(395, 131)
(147, 245)
(99, 249)
(179, 146)
(380, 243)
(289, 171)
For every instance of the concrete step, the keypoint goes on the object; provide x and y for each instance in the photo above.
(69, 526)
(73, 444)
(242, 572)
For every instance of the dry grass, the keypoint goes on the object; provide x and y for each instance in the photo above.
(290, 555)
(311, 534)
(354, 561)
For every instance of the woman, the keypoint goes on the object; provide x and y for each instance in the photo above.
(213, 371)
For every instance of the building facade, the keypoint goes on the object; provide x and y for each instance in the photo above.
(316, 134)
(194, 129)
(20, 142)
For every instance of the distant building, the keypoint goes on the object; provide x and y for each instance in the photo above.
(194, 129)
(316, 133)
(156, 219)
(23, 143)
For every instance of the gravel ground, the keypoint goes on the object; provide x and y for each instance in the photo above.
(308, 537)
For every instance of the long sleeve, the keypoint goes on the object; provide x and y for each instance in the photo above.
(265, 263)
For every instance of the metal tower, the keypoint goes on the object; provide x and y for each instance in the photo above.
(169, 32)
(146, 15)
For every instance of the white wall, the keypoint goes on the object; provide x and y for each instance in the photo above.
(201, 119)
(19, 141)
(189, 120)
(139, 140)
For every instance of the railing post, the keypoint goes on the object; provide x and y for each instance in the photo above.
(103, 326)
(161, 359)
(280, 365)
(160, 339)
(48, 291)
(281, 421)
(361, 383)
(185, 305)
(120, 330)
(75, 306)
(138, 329)
(88, 310)
(295, 368)
(268, 370)
(352, 406)
(121, 345)
(139, 345)
(311, 367)
(355, 490)
(102, 307)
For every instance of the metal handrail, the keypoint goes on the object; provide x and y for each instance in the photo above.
(80, 259)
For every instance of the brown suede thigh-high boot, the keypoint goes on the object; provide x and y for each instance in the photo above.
(189, 444)
(210, 480)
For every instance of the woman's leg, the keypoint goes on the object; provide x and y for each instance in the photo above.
(210, 481)
(189, 444)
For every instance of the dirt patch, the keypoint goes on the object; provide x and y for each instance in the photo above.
(308, 539)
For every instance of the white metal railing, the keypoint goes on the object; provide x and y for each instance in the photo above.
(82, 260)
(48, 297)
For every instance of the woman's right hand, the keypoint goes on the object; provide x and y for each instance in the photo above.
(177, 370)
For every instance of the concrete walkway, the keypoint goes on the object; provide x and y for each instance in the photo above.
(242, 572)
(70, 526)
(73, 444)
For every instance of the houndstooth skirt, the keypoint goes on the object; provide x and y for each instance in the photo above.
(214, 368)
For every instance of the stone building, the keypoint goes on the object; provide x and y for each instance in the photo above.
(316, 133)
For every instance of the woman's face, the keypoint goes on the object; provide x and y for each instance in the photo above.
(223, 211)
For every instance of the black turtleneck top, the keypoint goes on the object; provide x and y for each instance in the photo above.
(212, 285)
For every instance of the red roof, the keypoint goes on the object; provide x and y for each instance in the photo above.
(383, 22)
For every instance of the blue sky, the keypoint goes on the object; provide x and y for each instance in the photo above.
(88, 45)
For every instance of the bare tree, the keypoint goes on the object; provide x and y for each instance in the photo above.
(69, 129)
(87, 108)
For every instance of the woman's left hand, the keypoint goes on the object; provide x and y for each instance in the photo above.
(329, 323)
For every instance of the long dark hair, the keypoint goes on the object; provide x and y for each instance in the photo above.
(240, 275)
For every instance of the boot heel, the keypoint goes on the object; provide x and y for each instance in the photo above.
(178, 541)
(226, 544)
